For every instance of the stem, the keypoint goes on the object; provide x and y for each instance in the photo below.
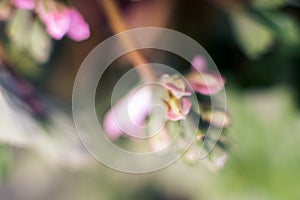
(118, 25)
(2, 53)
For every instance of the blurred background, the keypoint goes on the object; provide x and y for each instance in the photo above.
(254, 43)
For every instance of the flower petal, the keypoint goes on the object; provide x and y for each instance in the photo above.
(185, 106)
(79, 29)
(174, 108)
(175, 84)
(110, 126)
(178, 109)
(206, 83)
(173, 115)
(129, 114)
(24, 4)
(199, 63)
(56, 17)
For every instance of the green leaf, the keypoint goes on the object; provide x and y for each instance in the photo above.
(29, 38)
(5, 161)
(22, 61)
(284, 26)
(253, 37)
(268, 4)
(40, 43)
(19, 29)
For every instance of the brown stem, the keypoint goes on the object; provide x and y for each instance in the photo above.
(118, 25)
(2, 53)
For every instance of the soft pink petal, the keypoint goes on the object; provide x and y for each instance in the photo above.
(178, 92)
(56, 17)
(129, 114)
(173, 116)
(186, 105)
(111, 127)
(24, 4)
(139, 104)
(206, 83)
(178, 113)
(79, 29)
(176, 85)
(199, 63)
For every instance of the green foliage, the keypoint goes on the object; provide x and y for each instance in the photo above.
(258, 29)
(40, 43)
(29, 45)
(266, 162)
(269, 4)
(253, 37)
(284, 27)
(5, 161)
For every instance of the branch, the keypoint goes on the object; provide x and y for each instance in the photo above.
(117, 23)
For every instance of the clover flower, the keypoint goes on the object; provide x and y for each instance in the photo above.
(207, 83)
(178, 106)
(79, 30)
(132, 111)
(61, 20)
(203, 81)
(130, 114)
(56, 17)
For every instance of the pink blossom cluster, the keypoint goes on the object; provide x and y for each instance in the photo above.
(178, 106)
(203, 81)
(59, 19)
(177, 103)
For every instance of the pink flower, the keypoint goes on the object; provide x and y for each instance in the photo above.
(206, 83)
(202, 81)
(129, 114)
(79, 29)
(24, 4)
(56, 17)
(175, 84)
(177, 106)
(199, 63)
(61, 20)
